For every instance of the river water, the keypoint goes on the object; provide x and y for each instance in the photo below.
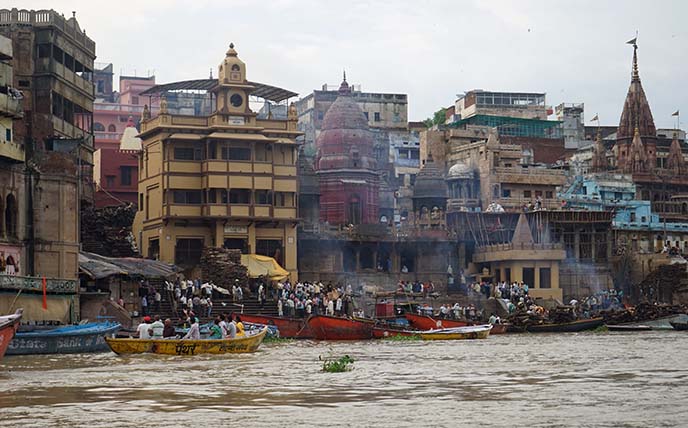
(585, 379)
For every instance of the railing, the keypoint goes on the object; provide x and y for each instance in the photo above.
(528, 171)
(46, 18)
(107, 135)
(10, 106)
(127, 108)
(521, 246)
(28, 283)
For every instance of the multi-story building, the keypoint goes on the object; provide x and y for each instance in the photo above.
(45, 159)
(522, 105)
(227, 179)
(115, 160)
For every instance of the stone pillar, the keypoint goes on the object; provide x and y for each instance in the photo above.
(593, 249)
(576, 244)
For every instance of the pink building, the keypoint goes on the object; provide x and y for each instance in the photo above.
(116, 160)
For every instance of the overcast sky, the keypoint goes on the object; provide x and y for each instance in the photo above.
(574, 51)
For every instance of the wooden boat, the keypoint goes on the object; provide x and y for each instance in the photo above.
(424, 322)
(325, 327)
(70, 339)
(384, 332)
(458, 333)
(628, 327)
(499, 328)
(679, 325)
(288, 327)
(8, 327)
(567, 327)
(186, 347)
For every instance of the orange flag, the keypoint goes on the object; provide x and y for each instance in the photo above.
(45, 293)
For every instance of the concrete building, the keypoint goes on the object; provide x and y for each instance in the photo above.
(572, 118)
(53, 65)
(522, 105)
(115, 113)
(224, 180)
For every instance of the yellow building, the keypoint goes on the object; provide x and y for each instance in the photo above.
(523, 259)
(227, 179)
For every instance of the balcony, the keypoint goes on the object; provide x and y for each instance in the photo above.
(12, 151)
(107, 136)
(27, 283)
(522, 251)
(10, 106)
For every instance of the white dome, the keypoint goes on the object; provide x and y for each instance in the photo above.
(460, 170)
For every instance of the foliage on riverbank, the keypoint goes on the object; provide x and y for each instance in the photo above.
(272, 339)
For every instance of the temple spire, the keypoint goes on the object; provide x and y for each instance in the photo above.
(635, 77)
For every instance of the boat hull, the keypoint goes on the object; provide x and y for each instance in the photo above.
(424, 322)
(384, 333)
(293, 328)
(185, 347)
(8, 328)
(333, 328)
(623, 327)
(569, 327)
(679, 325)
(459, 333)
(81, 339)
(499, 328)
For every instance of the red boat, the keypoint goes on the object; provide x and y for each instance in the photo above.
(333, 328)
(296, 328)
(499, 328)
(424, 322)
(8, 326)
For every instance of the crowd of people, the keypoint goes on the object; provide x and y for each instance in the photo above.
(304, 299)
(426, 288)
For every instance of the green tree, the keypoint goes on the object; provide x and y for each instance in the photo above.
(437, 118)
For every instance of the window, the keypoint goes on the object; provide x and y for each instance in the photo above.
(217, 196)
(188, 251)
(124, 119)
(135, 100)
(284, 199)
(263, 153)
(529, 276)
(8, 134)
(377, 116)
(235, 67)
(320, 115)
(412, 179)
(186, 196)
(110, 181)
(366, 115)
(187, 153)
(506, 193)
(526, 193)
(236, 153)
(101, 87)
(237, 244)
(538, 193)
(263, 197)
(154, 249)
(44, 50)
(507, 275)
(545, 278)
(548, 194)
(126, 173)
(270, 247)
(140, 201)
(236, 100)
(632, 217)
(98, 127)
(239, 196)
(11, 214)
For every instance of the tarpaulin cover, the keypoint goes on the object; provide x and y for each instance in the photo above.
(263, 266)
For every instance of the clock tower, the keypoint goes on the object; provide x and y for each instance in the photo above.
(233, 89)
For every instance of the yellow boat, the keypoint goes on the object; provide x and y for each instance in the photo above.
(458, 333)
(249, 343)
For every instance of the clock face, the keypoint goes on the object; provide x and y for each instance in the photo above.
(236, 100)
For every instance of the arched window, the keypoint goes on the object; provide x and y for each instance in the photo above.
(354, 210)
(11, 216)
(98, 127)
(235, 67)
(112, 128)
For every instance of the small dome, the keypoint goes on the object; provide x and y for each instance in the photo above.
(460, 170)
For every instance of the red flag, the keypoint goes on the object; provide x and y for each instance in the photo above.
(45, 294)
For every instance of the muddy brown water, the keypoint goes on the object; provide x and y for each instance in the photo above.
(584, 379)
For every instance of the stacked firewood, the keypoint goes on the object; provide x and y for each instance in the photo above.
(223, 267)
(562, 314)
(107, 231)
(642, 312)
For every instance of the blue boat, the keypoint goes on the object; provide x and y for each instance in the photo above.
(73, 339)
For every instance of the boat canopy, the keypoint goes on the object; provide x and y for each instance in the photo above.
(263, 266)
(98, 267)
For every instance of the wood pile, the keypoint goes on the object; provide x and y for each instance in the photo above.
(661, 284)
(223, 267)
(642, 312)
(107, 231)
(558, 315)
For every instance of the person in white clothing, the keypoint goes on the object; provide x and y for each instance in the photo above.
(156, 328)
(194, 332)
(144, 329)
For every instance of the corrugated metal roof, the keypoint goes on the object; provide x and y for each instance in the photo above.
(98, 267)
(261, 90)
